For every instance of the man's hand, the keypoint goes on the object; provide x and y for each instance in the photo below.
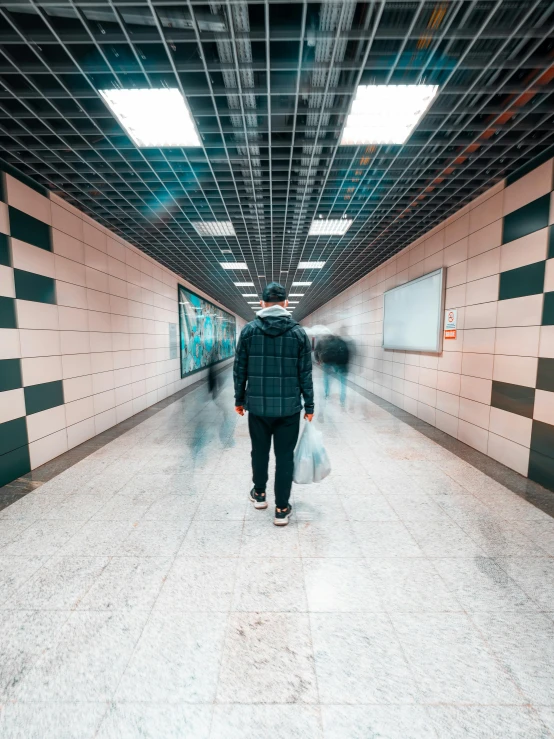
(239, 409)
(309, 417)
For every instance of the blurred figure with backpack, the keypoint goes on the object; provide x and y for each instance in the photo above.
(333, 353)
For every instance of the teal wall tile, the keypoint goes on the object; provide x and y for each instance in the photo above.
(541, 469)
(551, 242)
(3, 197)
(513, 398)
(542, 438)
(548, 310)
(4, 251)
(41, 397)
(545, 374)
(523, 221)
(13, 434)
(10, 374)
(7, 313)
(528, 280)
(14, 464)
(29, 229)
(29, 286)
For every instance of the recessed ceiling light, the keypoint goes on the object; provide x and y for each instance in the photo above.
(253, 302)
(296, 295)
(386, 114)
(300, 284)
(292, 302)
(330, 227)
(250, 295)
(244, 284)
(153, 117)
(214, 228)
(311, 265)
(234, 265)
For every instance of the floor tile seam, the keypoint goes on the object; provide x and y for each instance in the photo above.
(132, 652)
(39, 655)
(499, 562)
(311, 636)
(226, 633)
(407, 662)
(503, 668)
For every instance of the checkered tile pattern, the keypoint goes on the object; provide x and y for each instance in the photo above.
(493, 386)
(86, 321)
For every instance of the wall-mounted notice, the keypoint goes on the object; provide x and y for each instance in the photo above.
(450, 322)
(173, 341)
(414, 314)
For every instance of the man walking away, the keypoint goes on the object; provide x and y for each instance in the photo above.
(273, 372)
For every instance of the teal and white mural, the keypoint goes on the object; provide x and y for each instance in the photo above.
(207, 333)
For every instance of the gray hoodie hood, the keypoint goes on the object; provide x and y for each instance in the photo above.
(275, 320)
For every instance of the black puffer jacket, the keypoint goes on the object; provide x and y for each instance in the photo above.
(273, 366)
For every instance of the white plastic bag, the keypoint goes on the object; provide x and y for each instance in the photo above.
(311, 463)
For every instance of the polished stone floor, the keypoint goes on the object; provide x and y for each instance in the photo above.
(142, 596)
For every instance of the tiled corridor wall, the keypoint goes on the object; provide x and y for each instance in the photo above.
(492, 387)
(84, 329)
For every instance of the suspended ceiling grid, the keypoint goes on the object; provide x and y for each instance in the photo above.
(269, 85)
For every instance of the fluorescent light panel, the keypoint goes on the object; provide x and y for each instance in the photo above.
(214, 228)
(234, 265)
(244, 284)
(249, 295)
(301, 284)
(386, 114)
(311, 265)
(153, 117)
(330, 227)
(296, 295)
(253, 302)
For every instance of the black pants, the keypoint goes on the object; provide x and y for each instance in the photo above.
(285, 435)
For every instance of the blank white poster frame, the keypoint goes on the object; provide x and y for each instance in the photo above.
(437, 347)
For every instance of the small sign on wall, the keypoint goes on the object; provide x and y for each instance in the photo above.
(450, 321)
(173, 341)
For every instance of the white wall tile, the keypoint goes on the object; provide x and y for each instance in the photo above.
(528, 188)
(519, 341)
(511, 426)
(36, 370)
(80, 432)
(67, 222)
(546, 343)
(32, 259)
(39, 343)
(527, 250)
(473, 436)
(76, 365)
(515, 370)
(544, 406)
(24, 198)
(68, 247)
(509, 453)
(7, 287)
(526, 311)
(75, 342)
(71, 295)
(12, 404)
(48, 448)
(9, 343)
(45, 423)
(76, 388)
(79, 410)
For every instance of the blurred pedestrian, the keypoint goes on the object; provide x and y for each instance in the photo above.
(334, 356)
(273, 372)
